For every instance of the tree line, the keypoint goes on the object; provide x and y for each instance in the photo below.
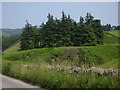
(63, 32)
(108, 27)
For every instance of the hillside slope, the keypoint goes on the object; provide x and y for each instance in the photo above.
(108, 39)
(14, 48)
(106, 52)
(8, 32)
(115, 32)
(65, 67)
(92, 54)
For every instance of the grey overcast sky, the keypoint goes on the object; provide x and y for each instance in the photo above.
(14, 14)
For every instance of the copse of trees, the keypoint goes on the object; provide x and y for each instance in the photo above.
(63, 32)
(108, 27)
(116, 27)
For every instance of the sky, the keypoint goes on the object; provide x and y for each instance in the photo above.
(15, 14)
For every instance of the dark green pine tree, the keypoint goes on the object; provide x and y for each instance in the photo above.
(98, 31)
(88, 18)
(58, 33)
(28, 37)
(41, 35)
(81, 21)
(63, 32)
(67, 26)
(49, 32)
(78, 31)
(88, 37)
(35, 35)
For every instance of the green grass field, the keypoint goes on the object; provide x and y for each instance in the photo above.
(115, 32)
(110, 39)
(34, 66)
(13, 48)
(114, 64)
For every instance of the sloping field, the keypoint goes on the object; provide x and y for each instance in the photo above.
(39, 66)
(115, 33)
(110, 38)
(114, 64)
(13, 48)
(34, 66)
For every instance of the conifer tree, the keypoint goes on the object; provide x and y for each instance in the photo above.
(28, 37)
(98, 31)
(63, 32)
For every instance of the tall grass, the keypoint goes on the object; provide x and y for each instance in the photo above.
(47, 78)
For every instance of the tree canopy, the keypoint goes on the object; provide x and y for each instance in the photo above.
(63, 32)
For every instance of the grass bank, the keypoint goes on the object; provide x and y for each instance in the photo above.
(30, 66)
(34, 66)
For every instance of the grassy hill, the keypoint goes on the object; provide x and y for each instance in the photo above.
(111, 64)
(103, 53)
(110, 38)
(95, 54)
(115, 32)
(8, 32)
(57, 67)
(13, 48)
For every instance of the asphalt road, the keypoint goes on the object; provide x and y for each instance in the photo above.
(8, 82)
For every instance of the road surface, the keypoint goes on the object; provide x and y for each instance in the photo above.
(8, 82)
